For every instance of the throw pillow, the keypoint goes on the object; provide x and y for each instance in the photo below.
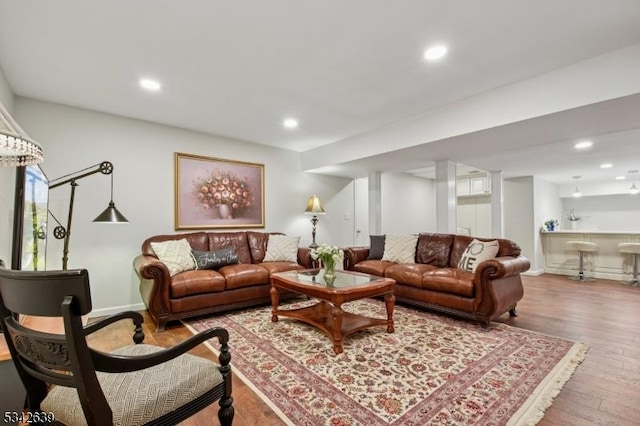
(282, 248)
(376, 248)
(400, 248)
(476, 252)
(175, 254)
(215, 259)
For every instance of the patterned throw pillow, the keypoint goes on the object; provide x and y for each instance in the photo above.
(376, 248)
(400, 248)
(175, 254)
(215, 259)
(282, 248)
(476, 252)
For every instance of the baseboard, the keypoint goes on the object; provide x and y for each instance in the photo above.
(534, 273)
(110, 311)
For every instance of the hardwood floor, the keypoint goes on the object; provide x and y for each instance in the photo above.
(605, 389)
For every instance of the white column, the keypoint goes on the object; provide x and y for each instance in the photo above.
(375, 203)
(446, 201)
(497, 205)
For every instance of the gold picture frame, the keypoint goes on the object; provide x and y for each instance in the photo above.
(215, 193)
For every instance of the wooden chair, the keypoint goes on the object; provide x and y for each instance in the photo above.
(134, 385)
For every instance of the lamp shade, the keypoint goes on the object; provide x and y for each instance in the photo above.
(111, 215)
(16, 148)
(314, 206)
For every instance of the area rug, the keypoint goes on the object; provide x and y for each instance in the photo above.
(432, 370)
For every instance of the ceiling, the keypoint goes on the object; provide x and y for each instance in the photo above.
(342, 69)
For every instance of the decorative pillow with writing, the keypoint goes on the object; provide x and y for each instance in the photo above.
(376, 248)
(400, 248)
(215, 259)
(282, 248)
(175, 254)
(476, 252)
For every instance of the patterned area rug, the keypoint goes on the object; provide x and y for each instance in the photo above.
(432, 370)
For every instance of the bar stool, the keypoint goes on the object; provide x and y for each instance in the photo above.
(581, 247)
(634, 250)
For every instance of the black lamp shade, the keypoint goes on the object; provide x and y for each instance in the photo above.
(111, 215)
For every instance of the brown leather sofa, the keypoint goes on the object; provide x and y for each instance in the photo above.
(435, 282)
(205, 291)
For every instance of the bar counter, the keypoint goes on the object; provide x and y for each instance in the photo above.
(607, 263)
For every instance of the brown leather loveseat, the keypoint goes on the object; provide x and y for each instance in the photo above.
(435, 281)
(204, 291)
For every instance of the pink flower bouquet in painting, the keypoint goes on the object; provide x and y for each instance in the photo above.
(223, 190)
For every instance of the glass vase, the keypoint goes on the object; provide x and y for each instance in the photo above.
(329, 274)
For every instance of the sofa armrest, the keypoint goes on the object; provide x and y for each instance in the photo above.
(501, 267)
(305, 259)
(155, 283)
(498, 286)
(353, 255)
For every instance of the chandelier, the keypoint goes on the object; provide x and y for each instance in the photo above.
(16, 148)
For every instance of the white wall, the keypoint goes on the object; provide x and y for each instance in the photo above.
(605, 213)
(408, 204)
(7, 183)
(519, 215)
(143, 158)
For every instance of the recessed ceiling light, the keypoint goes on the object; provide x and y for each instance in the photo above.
(435, 52)
(621, 177)
(149, 84)
(606, 165)
(583, 145)
(290, 123)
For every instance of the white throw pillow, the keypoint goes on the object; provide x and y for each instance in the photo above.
(282, 248)
(476, 252)
(175, 254)
(400, 248)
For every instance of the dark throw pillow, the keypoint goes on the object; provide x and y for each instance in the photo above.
(376, 248)
(215, 259)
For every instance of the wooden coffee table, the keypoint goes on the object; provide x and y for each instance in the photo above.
(327, 314)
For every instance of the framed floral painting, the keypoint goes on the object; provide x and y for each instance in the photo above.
(217, 193)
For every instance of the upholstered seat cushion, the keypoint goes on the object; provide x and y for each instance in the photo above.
(188, 283)
(169, 386)
(449, 280)
(244, 275)
(410, 274)
(373, 267)
(274, 267)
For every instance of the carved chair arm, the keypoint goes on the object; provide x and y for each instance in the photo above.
(111, 363)
(136, 317)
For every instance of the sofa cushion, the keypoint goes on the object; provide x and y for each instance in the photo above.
(237, 240)
(215, 259)
(175, 254)
(193, 282)
(449, 280)
(476, 252)
(376, 247)
(410, 274)
(372, 267)
(257, 245)
(274, 267)
(434, 249)
(244, 275)
(400, 248)
(282, 248)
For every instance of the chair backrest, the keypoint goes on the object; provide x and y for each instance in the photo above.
(39, 357)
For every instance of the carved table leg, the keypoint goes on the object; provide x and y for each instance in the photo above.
(275, 297)
(390, 300)
(336, 317)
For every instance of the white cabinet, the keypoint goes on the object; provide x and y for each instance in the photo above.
(476, 185)
(463, 187)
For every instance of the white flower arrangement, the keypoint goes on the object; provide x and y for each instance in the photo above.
(328, 255)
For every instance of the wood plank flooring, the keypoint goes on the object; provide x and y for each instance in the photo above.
(605, 389)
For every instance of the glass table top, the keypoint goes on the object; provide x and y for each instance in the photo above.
(342, 280)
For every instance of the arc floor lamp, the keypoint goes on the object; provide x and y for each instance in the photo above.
(109, 215)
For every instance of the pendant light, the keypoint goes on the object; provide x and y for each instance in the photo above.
(634, 189)
(577, 193)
